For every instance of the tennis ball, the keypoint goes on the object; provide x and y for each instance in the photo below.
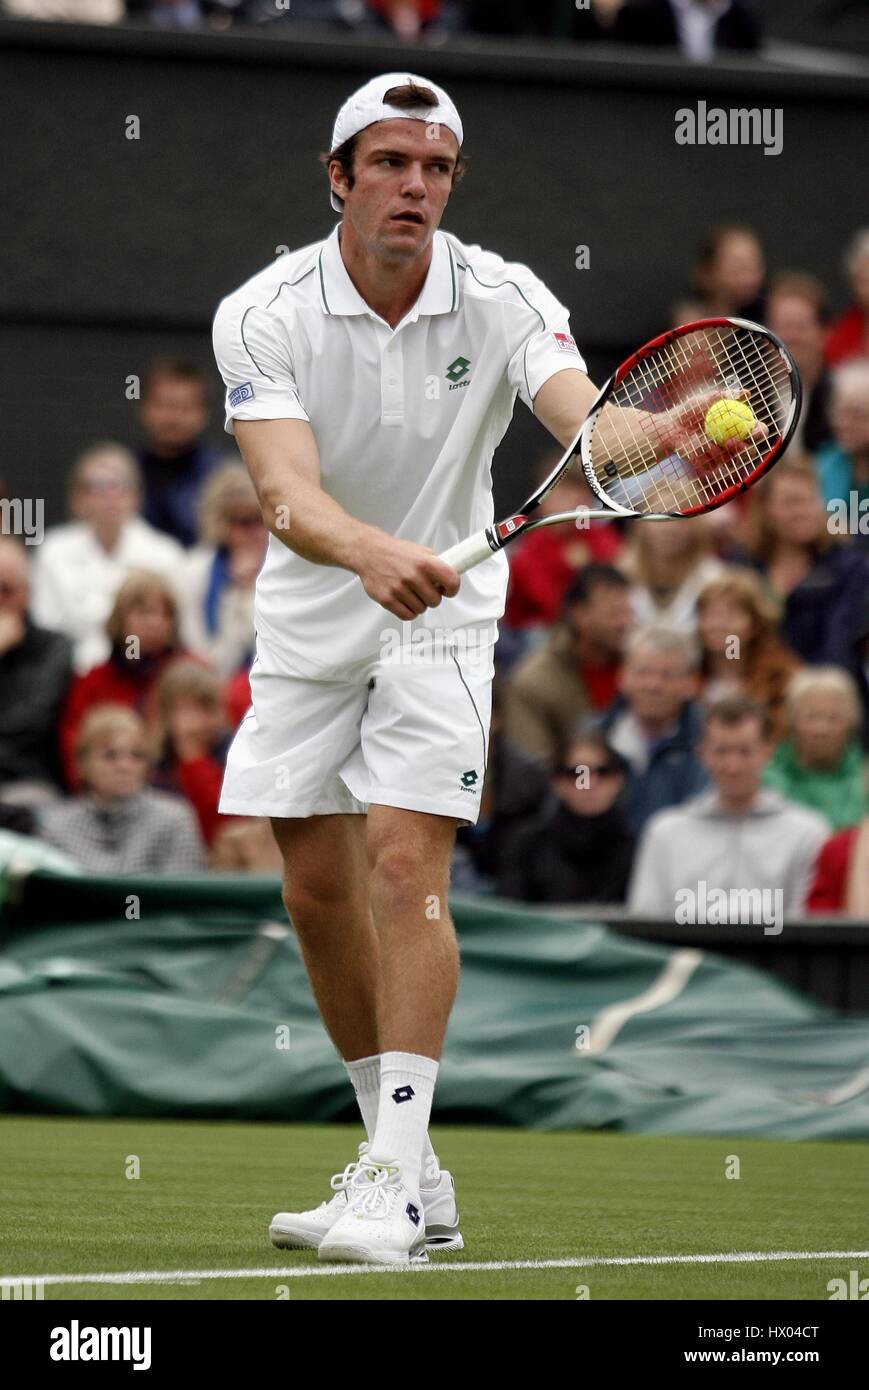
(729, 419)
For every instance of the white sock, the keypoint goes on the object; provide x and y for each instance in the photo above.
(365, 1079)
(407, 1083)
(430, 1171)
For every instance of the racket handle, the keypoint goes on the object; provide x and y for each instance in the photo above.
(466, 554)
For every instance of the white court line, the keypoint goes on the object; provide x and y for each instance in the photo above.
(172, 1276)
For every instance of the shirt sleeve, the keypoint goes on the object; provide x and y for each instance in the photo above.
(256, 366)
(541, 342)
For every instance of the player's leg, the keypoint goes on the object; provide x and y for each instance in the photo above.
(325, 892)
(389, 1217)
(409, 853)
(423, 742)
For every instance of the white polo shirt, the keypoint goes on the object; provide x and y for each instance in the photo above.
(406, 421)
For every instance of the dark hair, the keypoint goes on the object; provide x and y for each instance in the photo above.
(174, 369)
(734, 710)
(408, 97)
(590, 578)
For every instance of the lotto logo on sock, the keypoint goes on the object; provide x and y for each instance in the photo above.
(413, 1213)
(403, 1093)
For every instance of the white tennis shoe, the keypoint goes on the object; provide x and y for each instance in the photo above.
(383, 1223)
(304, 1230)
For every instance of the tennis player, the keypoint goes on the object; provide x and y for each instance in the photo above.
(369, 378)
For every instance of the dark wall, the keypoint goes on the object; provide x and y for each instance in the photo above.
(115, 250)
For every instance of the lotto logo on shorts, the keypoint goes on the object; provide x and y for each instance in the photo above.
(403, 1093)
(241, 393)
(565, 343)
(468, 779)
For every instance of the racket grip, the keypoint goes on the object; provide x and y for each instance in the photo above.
(466, 554)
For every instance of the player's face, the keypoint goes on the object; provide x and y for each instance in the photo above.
(402, 181)
(735, 756)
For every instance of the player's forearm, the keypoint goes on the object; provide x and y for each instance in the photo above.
(284, 465)
(313, 525)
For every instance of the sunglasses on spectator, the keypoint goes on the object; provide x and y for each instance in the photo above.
(248, 519)
(114, 755)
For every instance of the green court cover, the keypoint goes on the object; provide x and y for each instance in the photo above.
(187, 997)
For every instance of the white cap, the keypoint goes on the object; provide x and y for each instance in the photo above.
(366, 106)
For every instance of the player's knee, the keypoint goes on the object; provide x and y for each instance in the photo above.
(399, 874)
(312, 902)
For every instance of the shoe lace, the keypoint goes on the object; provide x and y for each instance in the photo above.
(376, 1193)
(341, 1181)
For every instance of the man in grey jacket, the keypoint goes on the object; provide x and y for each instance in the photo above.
(735, 853)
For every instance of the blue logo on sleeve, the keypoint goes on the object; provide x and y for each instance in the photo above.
(240, 394)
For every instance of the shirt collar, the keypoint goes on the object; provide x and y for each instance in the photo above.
(338, 294)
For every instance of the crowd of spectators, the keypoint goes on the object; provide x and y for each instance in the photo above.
(697, 29)
(674, 703)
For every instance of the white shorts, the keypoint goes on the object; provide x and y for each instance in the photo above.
(409, 729)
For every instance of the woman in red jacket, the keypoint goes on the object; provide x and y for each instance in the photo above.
(143, 631)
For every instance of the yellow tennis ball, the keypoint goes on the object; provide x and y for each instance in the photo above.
(729, 419)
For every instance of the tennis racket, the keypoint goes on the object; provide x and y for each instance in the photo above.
(649, 446)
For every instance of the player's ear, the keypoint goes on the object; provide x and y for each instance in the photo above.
(338, 178)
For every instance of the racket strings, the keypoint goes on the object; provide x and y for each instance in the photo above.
(630, 456)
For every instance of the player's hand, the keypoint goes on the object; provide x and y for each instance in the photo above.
(404, 578)
(681, 431)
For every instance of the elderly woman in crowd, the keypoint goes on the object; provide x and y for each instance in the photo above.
(117, 824)
(742, 652)
(820, 763)
(220, 573)
(81, 564)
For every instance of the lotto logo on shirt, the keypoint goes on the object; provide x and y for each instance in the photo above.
(241, 393)
(565, 343)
